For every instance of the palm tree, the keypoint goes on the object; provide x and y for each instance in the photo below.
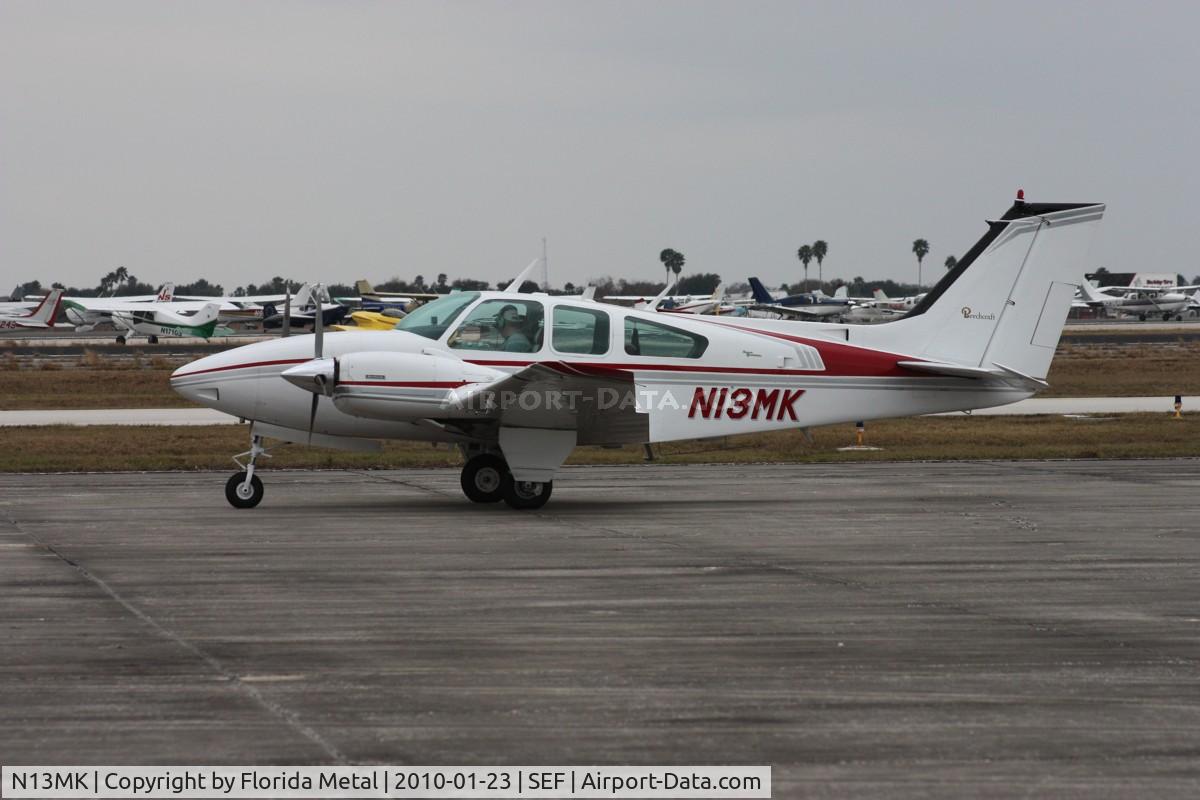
(819, 250)
(805, 254)
(951, 262)
(419, 283)
(441, 283)
(920, 249)
(673, 261)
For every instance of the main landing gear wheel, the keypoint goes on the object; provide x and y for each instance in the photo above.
(152, 339)
(483, 479)
(120, 340)
(526, 495)
(241, 494)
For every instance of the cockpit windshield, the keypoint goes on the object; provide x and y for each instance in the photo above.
(432, 319)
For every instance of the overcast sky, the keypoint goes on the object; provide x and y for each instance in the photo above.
(331, 141)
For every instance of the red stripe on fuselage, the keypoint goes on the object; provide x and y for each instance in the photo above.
(407, 384)
(243, 366)
(847, 360)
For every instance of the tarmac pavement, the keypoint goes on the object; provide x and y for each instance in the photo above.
(938, 629)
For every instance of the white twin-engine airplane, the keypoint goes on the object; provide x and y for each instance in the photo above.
(519, 380)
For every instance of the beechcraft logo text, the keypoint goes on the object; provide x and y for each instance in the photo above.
(969, 314)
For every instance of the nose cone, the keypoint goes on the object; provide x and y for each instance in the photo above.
(318, 375)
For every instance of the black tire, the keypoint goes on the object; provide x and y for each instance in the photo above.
(152, 339)
(120, 340)
(483, 478)
(525, 495)
(233, 491)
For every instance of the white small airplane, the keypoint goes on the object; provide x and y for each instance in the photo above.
(901, 304)
(517, 381)
(153, 322)
(40, 317)
(1140, 302)
(152, 317)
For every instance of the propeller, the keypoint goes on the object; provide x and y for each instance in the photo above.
(318, 353)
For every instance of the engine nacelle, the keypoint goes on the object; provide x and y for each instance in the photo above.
(404, 386)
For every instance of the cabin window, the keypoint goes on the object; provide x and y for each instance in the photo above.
(506, 326)
(432, 319)
(580, 330)
(646, 338)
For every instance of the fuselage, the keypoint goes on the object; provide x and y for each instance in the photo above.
(688, 377)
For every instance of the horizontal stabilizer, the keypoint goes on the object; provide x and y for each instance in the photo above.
(1002, 373)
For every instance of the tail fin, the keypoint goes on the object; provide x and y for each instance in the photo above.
(879, 294)
(719, 293)
(208, 313)
(47, 310)
(205, 320)
(1091, 296)
(842, 293)
(759, 292)
(166, 293)
(302, 298)
(364, 286)
(1004, 304)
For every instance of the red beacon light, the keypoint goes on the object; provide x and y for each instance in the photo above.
(1020, 195)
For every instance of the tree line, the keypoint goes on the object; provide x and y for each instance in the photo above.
(121, 283)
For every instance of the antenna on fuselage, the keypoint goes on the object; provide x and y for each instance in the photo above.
(519, 281)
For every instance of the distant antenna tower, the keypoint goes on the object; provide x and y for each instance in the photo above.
(545, 268)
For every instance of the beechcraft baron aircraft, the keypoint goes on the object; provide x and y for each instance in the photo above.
(517, 381)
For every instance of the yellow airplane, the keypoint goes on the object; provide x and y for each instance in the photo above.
(370, 321)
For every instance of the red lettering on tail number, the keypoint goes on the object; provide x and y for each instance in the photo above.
(743, 402)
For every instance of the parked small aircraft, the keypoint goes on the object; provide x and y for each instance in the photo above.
(517, 381)
(372, 320)
(807, 306)
(1140, 302)
(371, 300)
(304, 306)
(40, 317)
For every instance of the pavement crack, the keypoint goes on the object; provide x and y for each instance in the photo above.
(275, 709)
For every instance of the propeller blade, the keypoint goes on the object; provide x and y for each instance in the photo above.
(318, 330)
(312, 415)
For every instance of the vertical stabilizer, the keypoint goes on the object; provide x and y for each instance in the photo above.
(1005, 303)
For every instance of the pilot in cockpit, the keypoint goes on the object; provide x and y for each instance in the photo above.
(509, 322)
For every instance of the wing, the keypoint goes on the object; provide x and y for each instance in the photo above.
(791, 312)
(600, 405)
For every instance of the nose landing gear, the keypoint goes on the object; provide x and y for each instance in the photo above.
(244, 489)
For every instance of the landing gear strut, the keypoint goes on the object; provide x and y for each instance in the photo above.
(486, 479)
(244, 489)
